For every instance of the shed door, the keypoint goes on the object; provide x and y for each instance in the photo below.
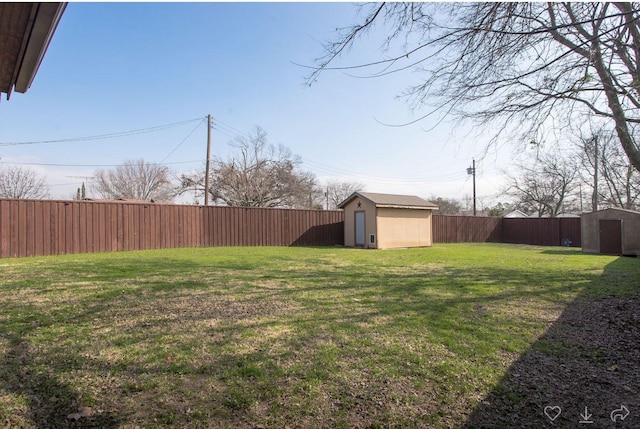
(611, 236)
(360, 233)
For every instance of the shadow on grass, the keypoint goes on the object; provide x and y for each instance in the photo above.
(589, 357)
(51, 403)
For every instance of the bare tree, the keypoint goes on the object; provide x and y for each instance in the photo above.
(137, 180)
(337, 192)
(544, 187)
(447, 206)
(604, 163)
(521, 66)
(22, 183)
(499, 210)
(258, 174)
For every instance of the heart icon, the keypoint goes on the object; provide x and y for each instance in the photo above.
(552, 412)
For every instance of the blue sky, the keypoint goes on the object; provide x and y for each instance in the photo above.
(116, 67)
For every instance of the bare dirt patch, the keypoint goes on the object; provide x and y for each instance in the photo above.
(590, 357)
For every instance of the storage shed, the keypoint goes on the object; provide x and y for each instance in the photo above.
(385, 221)
(611, 231)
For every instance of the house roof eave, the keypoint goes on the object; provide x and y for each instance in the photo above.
(27, 30)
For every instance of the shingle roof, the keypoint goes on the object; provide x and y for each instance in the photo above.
(392, 200)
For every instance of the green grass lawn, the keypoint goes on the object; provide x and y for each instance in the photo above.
(277, 337)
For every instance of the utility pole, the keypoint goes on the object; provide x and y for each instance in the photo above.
(472, 170)
(594, 198)
(580, 187)
(326, 194)
(206, 172)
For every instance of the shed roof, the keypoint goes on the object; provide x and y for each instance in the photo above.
(516, 213)
(612, 209)
(392, 201)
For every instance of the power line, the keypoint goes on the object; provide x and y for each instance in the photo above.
(382, 179)
(62, 184)
(233, 132)
(90, 165)
(103, 136)
(230, 129)
(225, 133)
(181, 143)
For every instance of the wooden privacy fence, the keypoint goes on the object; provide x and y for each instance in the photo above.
(537, 231)
(542, 231)
(46, 227)
(466, 229)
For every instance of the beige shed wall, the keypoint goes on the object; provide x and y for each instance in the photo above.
(590, 230)
(403, 228)
(350, 209)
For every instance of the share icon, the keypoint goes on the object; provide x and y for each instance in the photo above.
(620, 414)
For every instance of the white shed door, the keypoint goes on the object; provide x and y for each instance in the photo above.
(360, 233)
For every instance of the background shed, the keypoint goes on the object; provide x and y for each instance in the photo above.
(384, 221)
(611, 231)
